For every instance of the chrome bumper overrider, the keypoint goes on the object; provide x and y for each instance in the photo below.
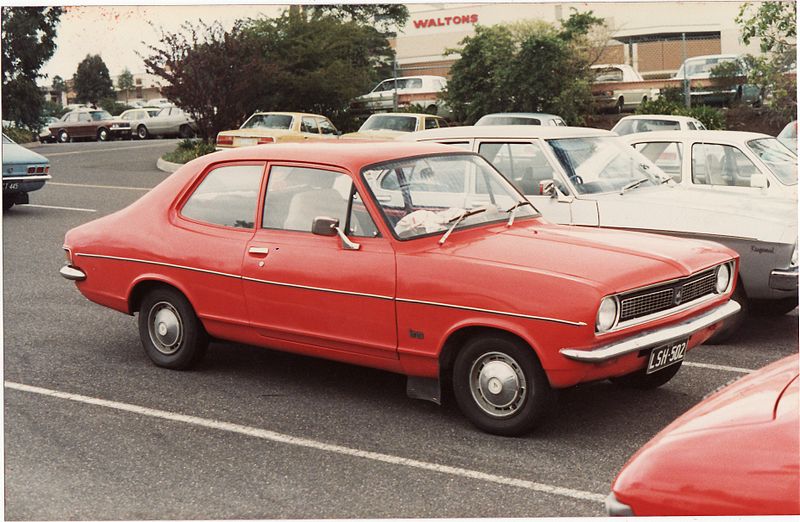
(783, 279)
(72, 273)
(653, 338)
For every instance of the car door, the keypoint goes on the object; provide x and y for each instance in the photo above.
(722, 167)
(85, 126)
(666, 154)
(309, 128)
(307, 291)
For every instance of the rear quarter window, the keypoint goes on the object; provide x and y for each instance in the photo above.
(227, 196)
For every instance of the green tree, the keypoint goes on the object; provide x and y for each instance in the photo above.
(125, 83)
(59, 85)
(28, 35)
(92, 81)
(384, 16)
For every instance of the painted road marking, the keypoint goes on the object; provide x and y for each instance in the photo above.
(97, 186)
(105, 150)
(59, 208)
(718, 367)
(312, 444)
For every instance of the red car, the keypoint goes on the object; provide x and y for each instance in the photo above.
(414, 258)
(736, 453)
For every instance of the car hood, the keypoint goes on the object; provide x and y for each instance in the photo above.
(614, 261)
(699, 211)
(13, 153)
(257, 133)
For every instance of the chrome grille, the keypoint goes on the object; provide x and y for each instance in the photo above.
(663, 297)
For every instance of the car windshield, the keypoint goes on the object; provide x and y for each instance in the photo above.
(427, 195)
(509, 120)
(609, 74)
(604, 164)
(268, 121)
(390, 122)
(100, 115)
(777, 157)
(790, 131)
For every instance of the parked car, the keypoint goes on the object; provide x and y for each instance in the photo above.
(390, 125)
(169, 121)
(414, 258)
(159, 102)
(23, 171)
(734, 454)
(591, 178)
(788, 136)
(624, 96)
(521, 118)
(45, 136)
(411, 90)
(700, 68)
(94, 124)
(275, 127)
(746, 162)
(138, 120)
(655, 122)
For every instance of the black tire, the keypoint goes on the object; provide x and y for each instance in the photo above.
(171, 334)
(641, 380)
(185, 132)
(141, 132)
(8, 202)
(491, 361)
(63, 136)
(773, 307)
(619, 106)
(103, 134)
(732, 324)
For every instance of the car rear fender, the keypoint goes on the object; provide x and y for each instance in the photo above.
(147, 282)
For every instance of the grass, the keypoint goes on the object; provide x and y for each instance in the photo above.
(188, 150)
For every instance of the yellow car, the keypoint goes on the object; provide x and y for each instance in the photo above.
(389, 126)
(273, 127)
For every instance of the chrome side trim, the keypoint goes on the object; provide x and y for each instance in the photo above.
(496, 312)
(72, 273)
(159, 263)
(317, 289)
(653, 338)
(8, 179)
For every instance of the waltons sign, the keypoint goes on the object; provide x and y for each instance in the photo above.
(446, 20)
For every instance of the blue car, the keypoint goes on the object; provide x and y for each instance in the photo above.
(23, 171)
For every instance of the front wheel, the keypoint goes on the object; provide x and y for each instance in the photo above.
(774, 307)
(641, 380)
(63, 136)
(102, 134)
(500, 386)
(171, 334)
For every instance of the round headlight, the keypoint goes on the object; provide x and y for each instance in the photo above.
(607, 314)
(723, 278)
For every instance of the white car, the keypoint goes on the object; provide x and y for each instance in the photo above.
(745, 162)
(417, 90)
(702, 67)
(169, 121)
(138, 119)
(655, 122)
(788, 135)
(622, 97)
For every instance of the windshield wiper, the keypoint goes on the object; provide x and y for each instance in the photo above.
(458, 219)
(514, 208)
(632, 185)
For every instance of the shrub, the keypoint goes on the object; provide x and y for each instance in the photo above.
(188, 150)
(18, 134)
(671, 103)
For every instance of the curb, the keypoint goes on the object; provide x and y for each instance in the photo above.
(167, 166)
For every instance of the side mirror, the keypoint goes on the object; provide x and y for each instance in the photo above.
(325, 226)
(547, 187)
(759, 181)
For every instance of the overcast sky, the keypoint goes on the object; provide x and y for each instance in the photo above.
(117, 32)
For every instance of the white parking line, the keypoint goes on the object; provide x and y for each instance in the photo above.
(718, 367)
(96, 186)
(109, 149)
(60, 208)
(312, 444)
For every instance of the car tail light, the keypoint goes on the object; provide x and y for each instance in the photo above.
(40, 170)
(47, 169)
(31, 170)
(261, 141)
(224, 140)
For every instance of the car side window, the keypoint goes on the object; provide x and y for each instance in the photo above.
(71, 118)
(309, 125)
(84, 117)
(523, 164)
(721, 165)
(298, 195)
(227, 196)
(667, 155)
(326, 127)
(691, 125)
(431, 123)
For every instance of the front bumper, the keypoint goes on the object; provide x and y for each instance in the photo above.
(72, 273)
(615, 508)
(783, 279)
(654, 338)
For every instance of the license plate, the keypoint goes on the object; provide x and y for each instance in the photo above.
(244, 142)
(666, 356)
(10, 186)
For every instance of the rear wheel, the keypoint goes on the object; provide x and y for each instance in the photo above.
(141, 132)
(499, 385)
(171, 334)
(8, 202)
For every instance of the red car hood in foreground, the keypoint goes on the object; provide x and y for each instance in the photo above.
(736, 453)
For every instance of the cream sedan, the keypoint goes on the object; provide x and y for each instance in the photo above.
(273, 127)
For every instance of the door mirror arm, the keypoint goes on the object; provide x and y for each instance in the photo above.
(326, 226)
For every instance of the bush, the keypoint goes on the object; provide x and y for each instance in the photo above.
(188, 150)
(19, 135)
(671, 102)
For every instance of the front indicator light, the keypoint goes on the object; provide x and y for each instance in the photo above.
(607, 314)
(723, 278)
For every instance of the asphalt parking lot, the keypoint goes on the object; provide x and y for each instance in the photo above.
(94, 431)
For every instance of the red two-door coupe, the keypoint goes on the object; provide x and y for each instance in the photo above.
(409, 257)
(737, 453)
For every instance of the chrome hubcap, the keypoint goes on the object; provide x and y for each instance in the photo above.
(497, 384)
(165, 327)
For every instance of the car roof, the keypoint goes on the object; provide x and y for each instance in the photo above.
(282, 113)
(663, 117)
(505, 131)
(415, 114)
(523, 114)
(696, 135)
(604, 65)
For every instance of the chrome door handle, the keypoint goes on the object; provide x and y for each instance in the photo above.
(258, 251)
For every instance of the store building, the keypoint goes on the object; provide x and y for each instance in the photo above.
(653, 37)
